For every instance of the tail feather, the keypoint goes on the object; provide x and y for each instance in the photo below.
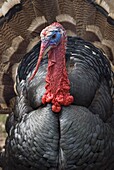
(19, 25)
(29, 10)
(48, 9)
(66, 7)
(3, 44)
(108, 32)
(104, 33)
(79, 16)
(21, 22)
(7, 36)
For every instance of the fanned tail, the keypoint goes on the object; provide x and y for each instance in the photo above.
(21, 22)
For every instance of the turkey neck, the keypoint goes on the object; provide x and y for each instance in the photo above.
(57, 79)
(57, 82)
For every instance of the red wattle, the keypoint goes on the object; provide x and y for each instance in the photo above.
(57, 82)
(56, 108)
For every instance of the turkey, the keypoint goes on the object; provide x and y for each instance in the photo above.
(62, 113)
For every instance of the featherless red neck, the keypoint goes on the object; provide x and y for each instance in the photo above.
(57, 82)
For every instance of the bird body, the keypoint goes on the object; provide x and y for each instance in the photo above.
(45, 130)
(79, 137)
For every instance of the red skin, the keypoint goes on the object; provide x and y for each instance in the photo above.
(57, 82)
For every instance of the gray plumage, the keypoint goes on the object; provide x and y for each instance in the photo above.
(80, 136)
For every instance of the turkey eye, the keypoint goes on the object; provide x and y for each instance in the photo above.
(54, 36)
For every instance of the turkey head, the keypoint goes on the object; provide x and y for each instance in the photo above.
(53, 41)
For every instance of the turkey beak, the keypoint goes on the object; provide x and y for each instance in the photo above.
(45, 47)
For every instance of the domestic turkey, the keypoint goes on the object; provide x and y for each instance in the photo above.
(63, 110)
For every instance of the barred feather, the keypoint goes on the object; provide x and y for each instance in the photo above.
(21, 22)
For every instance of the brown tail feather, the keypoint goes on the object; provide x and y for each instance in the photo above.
(21, 24)
(49, 9)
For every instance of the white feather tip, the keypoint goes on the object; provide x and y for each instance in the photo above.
(8, 5)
